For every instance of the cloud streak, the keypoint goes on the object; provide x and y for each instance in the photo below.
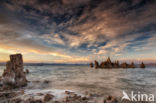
(84, 29)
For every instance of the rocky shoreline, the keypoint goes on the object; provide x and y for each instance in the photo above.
(68, 97)
(49, 96)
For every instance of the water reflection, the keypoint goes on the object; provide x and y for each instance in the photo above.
(102, 81)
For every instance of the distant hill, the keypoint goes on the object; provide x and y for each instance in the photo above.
(2, 64)
(46, 64)
(53, 64)
(151, 64)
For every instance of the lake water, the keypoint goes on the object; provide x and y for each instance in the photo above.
(84, 78)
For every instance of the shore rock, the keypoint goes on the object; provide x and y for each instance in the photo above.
(110, 99)
(68, 97)
(48, 97)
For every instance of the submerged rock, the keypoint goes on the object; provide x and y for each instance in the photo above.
(46, 81)
(14, 76)
(69, 92)
(27, 71)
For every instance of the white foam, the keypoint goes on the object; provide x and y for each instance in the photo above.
(59, 94)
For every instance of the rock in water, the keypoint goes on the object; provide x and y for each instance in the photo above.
(110, 99)
(14, 76)
(91, 65)
(96, 64)
(142, 65)
(27, 71)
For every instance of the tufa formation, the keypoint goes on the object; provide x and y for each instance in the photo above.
(91, 65)
(109, 64)
(14, 75)
(142, 65)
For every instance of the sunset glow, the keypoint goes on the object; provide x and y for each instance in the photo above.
(78, 31)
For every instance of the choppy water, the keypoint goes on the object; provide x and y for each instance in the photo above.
(84, 78)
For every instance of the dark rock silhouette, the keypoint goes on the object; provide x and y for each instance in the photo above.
(96, 64)
(132, 65)
(124, 65)
(116, 64)
(27, 71)
(102, 65)
(142, 65)
(14, 76)
(109, 60)
(91, 65)
(109, 64)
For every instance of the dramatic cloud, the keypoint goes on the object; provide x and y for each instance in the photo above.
(78, 30)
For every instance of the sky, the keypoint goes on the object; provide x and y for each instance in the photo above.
(78, 31)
